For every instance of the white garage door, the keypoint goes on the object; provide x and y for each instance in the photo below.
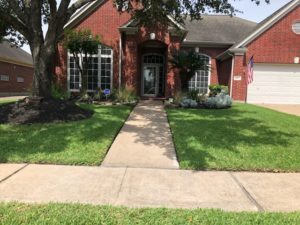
(275, 84)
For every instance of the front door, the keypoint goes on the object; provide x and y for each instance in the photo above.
(150, 80)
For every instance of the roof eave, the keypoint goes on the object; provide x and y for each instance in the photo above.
(257, 32)
(189, 43)
(231, 52)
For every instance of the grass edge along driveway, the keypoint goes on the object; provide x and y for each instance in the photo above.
(83, 142)
(48, 214)
(244, 137)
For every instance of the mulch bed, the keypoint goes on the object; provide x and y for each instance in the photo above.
(38, 110)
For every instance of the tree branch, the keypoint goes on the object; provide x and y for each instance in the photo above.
(53, 5)
(15, 6)
(16, 24)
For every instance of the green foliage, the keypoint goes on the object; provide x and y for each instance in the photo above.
(125, 95)
(193, 94)
(157, 11)
(220, 101)
(81, 42)
(78, 214)
(83, 142)
(244, 137)
(59, 92)
(188, 62)
(216, 89)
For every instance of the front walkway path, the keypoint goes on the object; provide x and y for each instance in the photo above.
(145, 140)
(143, 187)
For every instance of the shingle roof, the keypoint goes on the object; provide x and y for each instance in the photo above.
(218, 29)
(15, 54)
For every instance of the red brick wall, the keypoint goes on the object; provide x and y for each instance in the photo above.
(104, 22)
(132, 58)
(239, 87)
(279, 44)
(14, 71)
(216, 75)
(224, 72)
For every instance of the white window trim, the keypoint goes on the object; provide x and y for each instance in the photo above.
(100, 56)
(4, 75)
(295, 31)
(209, 71)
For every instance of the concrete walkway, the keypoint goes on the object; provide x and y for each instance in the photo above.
(142, 187)
(144, 141)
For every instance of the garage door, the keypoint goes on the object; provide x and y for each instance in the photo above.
(277, 84)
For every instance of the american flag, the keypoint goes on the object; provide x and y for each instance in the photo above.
(250, 71)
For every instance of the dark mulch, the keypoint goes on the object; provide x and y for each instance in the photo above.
(29, 111)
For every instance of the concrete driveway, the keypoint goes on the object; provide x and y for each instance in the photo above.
(290, 109)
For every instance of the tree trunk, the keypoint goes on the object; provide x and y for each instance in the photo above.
(43, 62)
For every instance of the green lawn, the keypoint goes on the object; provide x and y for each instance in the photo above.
(17, 214)
(245, 137)
(82, 142)
(6, 101)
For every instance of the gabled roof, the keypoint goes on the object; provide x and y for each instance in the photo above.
(83, 12)
(221, 29)
(14, 55)
(267, 23)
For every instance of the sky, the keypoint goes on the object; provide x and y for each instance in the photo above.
(250, 10)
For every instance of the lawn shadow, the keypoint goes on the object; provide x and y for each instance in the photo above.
(201, 136)
(79, 142)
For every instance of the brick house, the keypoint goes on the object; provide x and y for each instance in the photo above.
(139, 57)
(16, 70)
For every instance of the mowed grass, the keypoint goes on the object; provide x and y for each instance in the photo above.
(49, 214)
(244, 137)
(82, 142)
(7, 100)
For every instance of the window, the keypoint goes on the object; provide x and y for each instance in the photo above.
(20, 79)
(4, 78)
(99, 73)
(296, 27)
(200, 81)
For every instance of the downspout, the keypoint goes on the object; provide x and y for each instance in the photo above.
(120, 62)
(231, 76)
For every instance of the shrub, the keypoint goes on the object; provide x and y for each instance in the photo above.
(193, 94)
(178, 97)
(59, 92)
(217, 89)
(188, 103)
(221, 101)
(125, 95)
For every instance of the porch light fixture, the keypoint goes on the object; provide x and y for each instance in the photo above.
(152, 36)
(296, 60)
(197, 49)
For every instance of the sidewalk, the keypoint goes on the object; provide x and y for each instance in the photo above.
(142, 187)
(144, 141)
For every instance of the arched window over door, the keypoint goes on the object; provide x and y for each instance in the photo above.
(201, 80)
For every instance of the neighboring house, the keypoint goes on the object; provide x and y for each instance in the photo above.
(16, 70)
(139, 57)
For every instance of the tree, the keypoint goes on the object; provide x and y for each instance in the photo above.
(188, 62)
(22, 21)
(82, 45)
